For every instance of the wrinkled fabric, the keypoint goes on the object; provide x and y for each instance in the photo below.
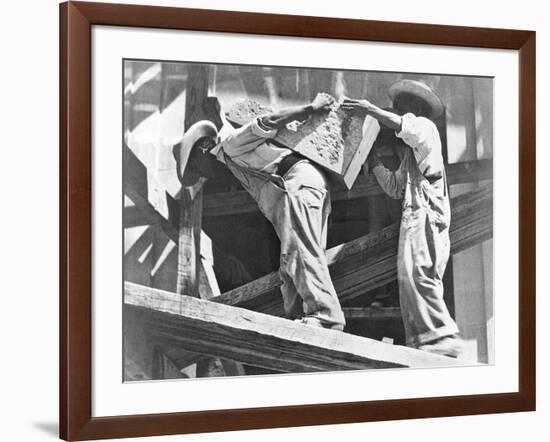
(249, 147)
(424, 245)
(298, 206)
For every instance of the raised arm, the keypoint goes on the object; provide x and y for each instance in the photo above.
(284, 116)
(387, 118)
(419, 133)
(255, 133)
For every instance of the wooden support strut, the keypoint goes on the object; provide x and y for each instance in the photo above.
(369, 262)
(263, 340)
(189, 239)
(149, 196)
(195, 278)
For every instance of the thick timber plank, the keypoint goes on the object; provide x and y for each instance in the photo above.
(263, 340)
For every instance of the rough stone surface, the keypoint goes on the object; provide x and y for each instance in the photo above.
(334, 139)
(242, 112)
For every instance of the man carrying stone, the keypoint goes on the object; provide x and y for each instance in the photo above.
(291, 192)
(420, 182)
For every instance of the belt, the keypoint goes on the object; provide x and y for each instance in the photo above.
(287, 162)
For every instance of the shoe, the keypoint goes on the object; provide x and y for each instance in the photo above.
(451, 346)
(312, 321)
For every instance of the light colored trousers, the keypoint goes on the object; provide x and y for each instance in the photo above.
(423, 254)
(423, 250)
(298, 207)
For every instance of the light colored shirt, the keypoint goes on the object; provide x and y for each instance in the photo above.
(249, 147)
(422, 136)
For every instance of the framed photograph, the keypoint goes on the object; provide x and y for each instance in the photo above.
(272, 221)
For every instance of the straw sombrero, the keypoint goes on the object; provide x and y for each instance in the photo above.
(420, 90)
(183, 149)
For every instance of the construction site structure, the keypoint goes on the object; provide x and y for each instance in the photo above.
(201, 292)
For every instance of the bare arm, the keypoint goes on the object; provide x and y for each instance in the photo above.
(252, 135)
(284, 116)
(387, 118)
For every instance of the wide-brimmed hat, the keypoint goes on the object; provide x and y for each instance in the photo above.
(420, 90)
(200, 129)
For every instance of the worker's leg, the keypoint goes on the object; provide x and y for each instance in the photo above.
(303, 240)
(273, 202)
(422, 258)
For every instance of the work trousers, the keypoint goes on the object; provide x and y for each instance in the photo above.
(298, 206)
(423, 254)
(423, 250)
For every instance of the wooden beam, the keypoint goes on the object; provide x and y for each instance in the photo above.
(150, 210)
(263, 340)
(369, 262)
(188, 270)
(134, 217)
(189, 240)
(155, 203)
(196, 93)
(372, 313)
(240, 202)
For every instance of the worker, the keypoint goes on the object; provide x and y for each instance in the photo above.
(291, 192)
(420, 183)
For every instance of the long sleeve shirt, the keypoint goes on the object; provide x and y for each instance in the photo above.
(250, 147)
(420, 179)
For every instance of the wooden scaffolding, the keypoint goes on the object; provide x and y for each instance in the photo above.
(230, 333)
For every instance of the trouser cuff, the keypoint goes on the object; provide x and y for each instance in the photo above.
(432, 335)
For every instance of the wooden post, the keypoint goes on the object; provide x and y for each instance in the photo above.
(196, 90)
(189, 240)
(190, 210)
(194, 277)
(190, 220)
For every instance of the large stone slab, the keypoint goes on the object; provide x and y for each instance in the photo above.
(334, 139)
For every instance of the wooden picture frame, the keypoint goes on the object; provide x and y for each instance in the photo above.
(76, 21)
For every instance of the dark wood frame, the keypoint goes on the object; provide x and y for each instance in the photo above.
(76, 20)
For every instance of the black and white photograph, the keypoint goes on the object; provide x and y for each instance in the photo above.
(243, 221)
(285, 219)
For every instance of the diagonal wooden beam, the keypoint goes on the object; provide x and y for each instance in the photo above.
(134, 217)
(369, 262)
(153, 203)
(239, 202)
(149, 196)
(263, 340)
(372, 313)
